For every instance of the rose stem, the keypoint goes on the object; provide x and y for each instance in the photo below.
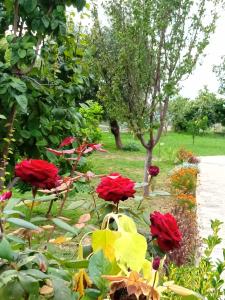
(1, 228)
(49, 208)
(93, 197)
(153, 285)
(117, 207)
(34, 191)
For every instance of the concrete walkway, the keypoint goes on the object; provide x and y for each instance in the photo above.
(211, 198)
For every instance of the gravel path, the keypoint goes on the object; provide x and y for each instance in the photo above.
(211, 198)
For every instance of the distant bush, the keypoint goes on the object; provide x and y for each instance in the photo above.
(132, 147)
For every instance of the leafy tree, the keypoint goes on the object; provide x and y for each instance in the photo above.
(28, 30)
(153, 45)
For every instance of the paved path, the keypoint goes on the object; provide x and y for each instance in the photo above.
(211, 197)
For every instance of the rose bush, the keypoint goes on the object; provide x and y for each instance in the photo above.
(165, 229)
(38, 173)
(115, 188)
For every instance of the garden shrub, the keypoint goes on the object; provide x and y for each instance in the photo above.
(184, 179)
(131, 147)
(187, 252)
(184, 155)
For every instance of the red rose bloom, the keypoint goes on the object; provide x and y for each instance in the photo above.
(153, 171)
(164, 228)
(5, 196)
(114, 188)
(39, 173)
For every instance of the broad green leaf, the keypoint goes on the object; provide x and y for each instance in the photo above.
(98, 266)
(30, 284)
(127, 224)
(2, 117)
(63, 225)
(29, 5)
(5, 250)
(18, 84)
(104, 240)
(35, 273)
(130, 250)
(22, 53)
(45, 21)
(22, 223)
(61, 289)
(63, 274)
(22, 102)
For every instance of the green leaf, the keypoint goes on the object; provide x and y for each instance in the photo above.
(2, 117)
(65, 275)
(63, 225)
(54, 24)
(22, 101)
(30, 284)
(5, 250)
(22, 223)
(22, 53)
(18, 84)
(15, 239)
(75, 264)
(13, 212)
(45, 21)
(38, 219)
(35, 273)
(98, 266)
(61, 290)
(11, 203)
(75, 204)
(29, 5)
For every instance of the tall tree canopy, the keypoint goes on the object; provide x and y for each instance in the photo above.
(143, 54)
(28, 29)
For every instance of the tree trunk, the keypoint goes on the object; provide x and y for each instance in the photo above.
(115, 129)
(148, 161)
(5, 150)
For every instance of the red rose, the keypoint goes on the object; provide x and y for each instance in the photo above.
(153, 170)
(5, 196)
(39, 173)
(114, 188)
(164, 228)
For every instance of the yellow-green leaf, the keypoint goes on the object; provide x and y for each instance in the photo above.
(147, 271)
(127, 224)
(130, 250)
(105, 240)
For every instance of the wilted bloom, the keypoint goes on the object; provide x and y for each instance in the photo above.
(87, 148)
(153, 171)
(156, 263)
(114, 188)
(165, 229)
(38, 173)
(67, 141)
(5, 196)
